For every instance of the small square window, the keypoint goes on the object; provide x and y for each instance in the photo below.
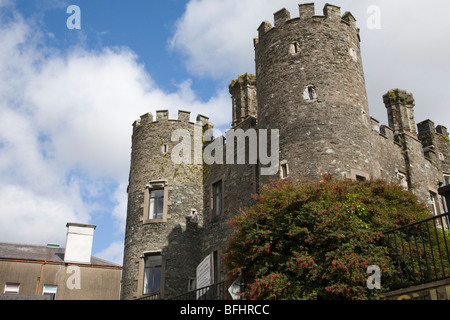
(294, 48)
(50, 291)
(403, 180)
(360, 178)
(12, 288)
(309, 94)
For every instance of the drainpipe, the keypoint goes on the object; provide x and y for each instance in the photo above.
(40, 278)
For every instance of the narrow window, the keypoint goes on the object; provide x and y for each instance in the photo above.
(152, 275)
(402, 179)
(12, 288)
(217, 198)
(156, 204)
(284, 171)
(50, 291)
(215, 267)
(434, 203)
(294, 48)
(311, 93)
(165, 148)
(191, 284)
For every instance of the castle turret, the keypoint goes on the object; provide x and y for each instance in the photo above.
(243, 95)
(311, 87)
(165, 205)
(400, 109)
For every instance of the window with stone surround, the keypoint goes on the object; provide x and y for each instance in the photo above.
(164, 148)
(294, 48)
(401, 177)
(155, 202)
(284, 169)
(434, 203)
(309, 94)
(217, 198)
(446, 179)
(152, 274)
(358, 175)
(360, 178)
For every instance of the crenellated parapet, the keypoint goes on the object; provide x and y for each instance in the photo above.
(163, 116)
(331, 14)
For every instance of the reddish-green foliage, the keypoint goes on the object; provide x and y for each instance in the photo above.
(316, 240)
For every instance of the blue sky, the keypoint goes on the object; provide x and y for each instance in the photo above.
(68, 98)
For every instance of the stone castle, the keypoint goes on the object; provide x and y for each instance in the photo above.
(306, 67)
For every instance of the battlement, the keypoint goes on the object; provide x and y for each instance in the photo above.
(163, 116)
(428, 126)
(307, 12)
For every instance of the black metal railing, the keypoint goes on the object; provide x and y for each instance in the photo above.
(420, 251)
(155, 296)
(214, 292)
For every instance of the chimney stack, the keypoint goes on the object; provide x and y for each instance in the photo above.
(79, 242)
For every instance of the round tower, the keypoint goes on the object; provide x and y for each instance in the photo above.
(165, 207)
(311, 87)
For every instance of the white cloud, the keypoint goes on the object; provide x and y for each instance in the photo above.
(65, 130)
(113, 253)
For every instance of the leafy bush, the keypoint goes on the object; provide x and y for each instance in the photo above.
(316, 240)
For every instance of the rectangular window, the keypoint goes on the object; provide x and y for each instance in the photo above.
(284, 171)
(434, 203)
(156, 208)
(152, 274)
(403, 180)
(12, 288)
(447, 180)
(50, 291)
(217, 198)
(191, 284)
(215, 258)
(360, 178)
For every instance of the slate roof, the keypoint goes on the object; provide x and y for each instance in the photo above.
(16, 251)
